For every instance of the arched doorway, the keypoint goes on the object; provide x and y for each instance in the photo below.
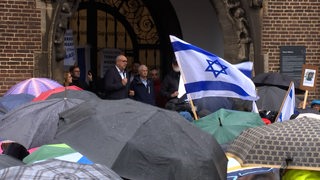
(102, 29)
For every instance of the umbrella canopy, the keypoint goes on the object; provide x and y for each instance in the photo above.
(293, 144)
(38, 119)
(75, 94)
(33, 86)
(140, 141)
(225, 125)
(213, 104)
(44, 95)
(12, 101)
(57, 169)
(56, 151)
(8, 161)
(276, 79)
(271, 98)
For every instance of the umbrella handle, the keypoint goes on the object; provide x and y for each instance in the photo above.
(284, 166)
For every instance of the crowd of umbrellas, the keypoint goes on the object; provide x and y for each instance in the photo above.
(82, 136)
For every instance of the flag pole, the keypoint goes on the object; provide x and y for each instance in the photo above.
(305, 99)
(284, 100)
(193, 109)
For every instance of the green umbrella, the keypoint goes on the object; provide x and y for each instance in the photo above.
(225, 125)
(48, 151)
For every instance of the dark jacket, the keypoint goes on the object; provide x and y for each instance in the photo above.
(170, 84)
(114, 89)
(141, 92)
(81, 84)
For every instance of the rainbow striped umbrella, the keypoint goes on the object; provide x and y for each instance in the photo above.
(56, 151)
(33, 86)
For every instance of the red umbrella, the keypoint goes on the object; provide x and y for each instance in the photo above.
(46, 94)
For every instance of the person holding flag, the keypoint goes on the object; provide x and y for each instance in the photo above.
(169, 90)
(207, 75)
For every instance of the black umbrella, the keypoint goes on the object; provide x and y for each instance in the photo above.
(271, 98)
(140, 141)
(276, 79)
(74, 94)
(213, 104)
(35, 123)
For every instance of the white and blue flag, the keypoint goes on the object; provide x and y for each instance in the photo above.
(288, 105)
(206, 74)
(246, 68)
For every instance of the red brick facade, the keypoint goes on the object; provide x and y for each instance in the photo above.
(20, 38)
(292, 23)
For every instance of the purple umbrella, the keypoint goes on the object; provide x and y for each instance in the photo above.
(33, 86)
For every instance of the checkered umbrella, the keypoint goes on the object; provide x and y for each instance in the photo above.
(293, 144)
(8, 161)
(57, 169)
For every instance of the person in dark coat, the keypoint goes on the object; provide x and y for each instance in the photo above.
(143, 86)
(160, 100)
(169, 90)
(77, 81)
(170, 84)
(115, 80)
(134, 70)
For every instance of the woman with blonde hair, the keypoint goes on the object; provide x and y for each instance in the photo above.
(67, 79)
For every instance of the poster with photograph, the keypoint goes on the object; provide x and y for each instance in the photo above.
(308, 77)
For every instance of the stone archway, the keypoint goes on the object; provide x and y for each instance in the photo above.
(239, 21)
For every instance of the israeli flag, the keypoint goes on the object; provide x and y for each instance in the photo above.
(246, 68)
(288, 105)
(206, 74)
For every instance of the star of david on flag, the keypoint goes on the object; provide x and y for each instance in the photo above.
(216, 70)
(206, 74)
(288, 105)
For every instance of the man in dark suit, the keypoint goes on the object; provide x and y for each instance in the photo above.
(115, 80)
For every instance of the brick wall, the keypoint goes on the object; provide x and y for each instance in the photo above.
(20, 37)
(292, 23)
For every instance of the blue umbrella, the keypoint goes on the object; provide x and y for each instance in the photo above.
(245, 172)
(12, 101)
